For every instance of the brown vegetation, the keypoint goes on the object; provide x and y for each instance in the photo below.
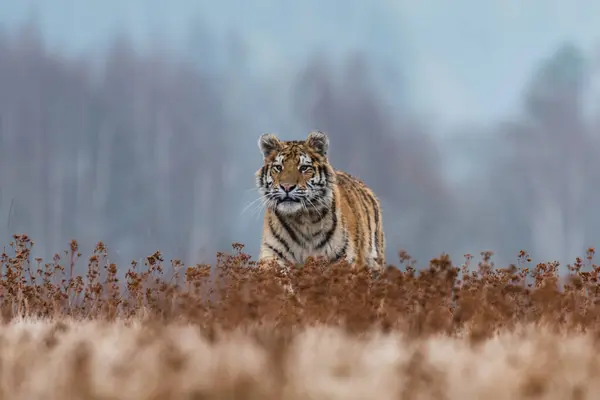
(233, 331)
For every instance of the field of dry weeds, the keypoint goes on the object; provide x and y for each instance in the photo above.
(163, 330)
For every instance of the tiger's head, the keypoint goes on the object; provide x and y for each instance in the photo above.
(296, 175)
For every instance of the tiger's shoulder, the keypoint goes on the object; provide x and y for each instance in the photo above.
(350, 182)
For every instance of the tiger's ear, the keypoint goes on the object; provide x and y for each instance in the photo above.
(319, 141)
(268, 143)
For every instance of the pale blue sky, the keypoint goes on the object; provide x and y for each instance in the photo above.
(465, 60)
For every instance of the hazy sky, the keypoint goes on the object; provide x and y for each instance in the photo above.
(465, 60)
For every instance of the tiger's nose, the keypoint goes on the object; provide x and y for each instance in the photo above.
(287, 187)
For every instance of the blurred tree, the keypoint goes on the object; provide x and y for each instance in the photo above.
(137, 157)
(545, 171)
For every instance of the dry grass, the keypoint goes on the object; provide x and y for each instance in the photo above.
(233, 332)
(121, 360)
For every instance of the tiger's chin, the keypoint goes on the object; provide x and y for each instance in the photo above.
(289, 207)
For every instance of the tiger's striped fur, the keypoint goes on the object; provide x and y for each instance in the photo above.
(314, 210)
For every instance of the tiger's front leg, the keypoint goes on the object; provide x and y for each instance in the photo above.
(268, 259)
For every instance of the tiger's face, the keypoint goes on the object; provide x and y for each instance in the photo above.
(296, 175)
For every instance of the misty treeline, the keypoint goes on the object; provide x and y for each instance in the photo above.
(148, 151)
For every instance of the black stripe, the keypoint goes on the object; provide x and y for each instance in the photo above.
(365, 202)
(326, 174)
(290, 231)
(334, 222)
(323, 211)
(344, 178)
(352, 193)
(261, 181)
(281, 240)
(297, 222)
(358, 238)
(377, 222)
(321, 171)
(267, 173)
(341, 252)
(378, 232)
(274, 250)
(305, 237)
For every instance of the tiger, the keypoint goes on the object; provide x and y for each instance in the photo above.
(313, 210)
